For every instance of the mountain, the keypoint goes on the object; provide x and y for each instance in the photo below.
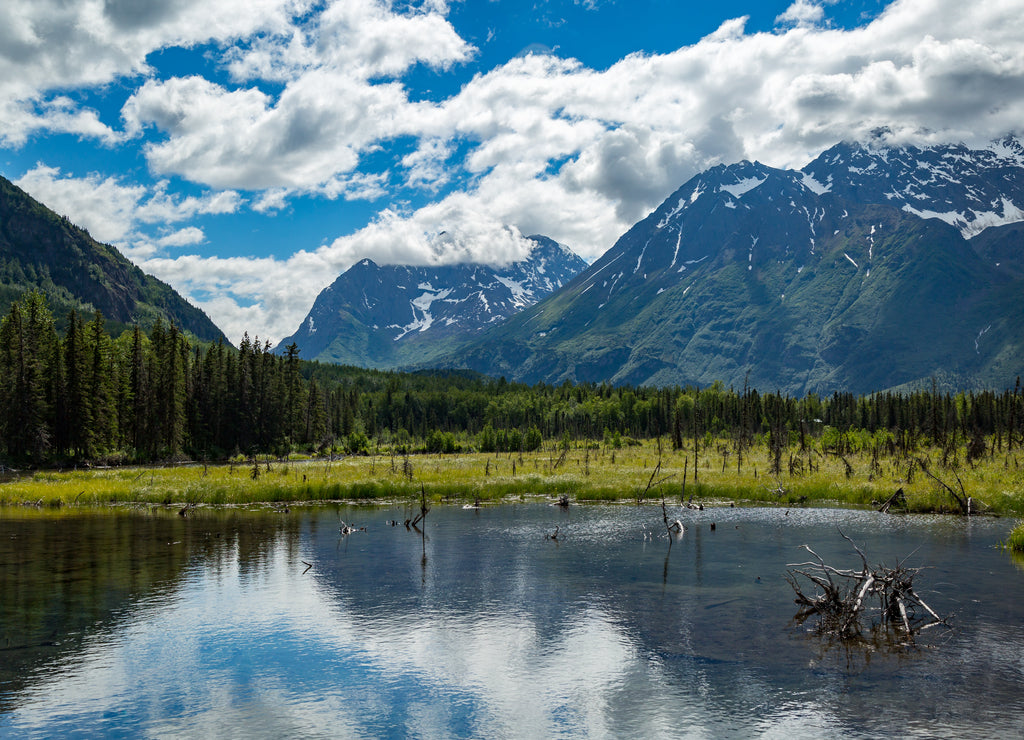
(872, 267)
(387, 316)
(43, 251)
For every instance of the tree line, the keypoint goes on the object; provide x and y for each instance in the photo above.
(157, 395)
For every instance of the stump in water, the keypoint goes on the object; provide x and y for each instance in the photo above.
(424, 510)
(847, 602)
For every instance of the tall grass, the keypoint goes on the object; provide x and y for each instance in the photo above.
(646, 471)
(1016, 539)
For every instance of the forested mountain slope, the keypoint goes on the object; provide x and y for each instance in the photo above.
(43, 251)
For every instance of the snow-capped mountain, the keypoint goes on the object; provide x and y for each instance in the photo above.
(389, 316)
(969, 189)
(869, 268)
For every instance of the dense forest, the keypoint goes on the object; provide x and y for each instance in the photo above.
(143, 397)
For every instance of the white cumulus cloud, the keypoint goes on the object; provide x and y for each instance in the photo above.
(312, 99)
(52, 45)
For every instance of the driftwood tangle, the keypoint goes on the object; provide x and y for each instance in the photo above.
(848, 602)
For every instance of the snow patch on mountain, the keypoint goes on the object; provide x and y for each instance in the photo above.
(521, 295)
(422, 304)
(972, 223)
(744, 186)
(675, 254)
(424, 301)
(640, 259)
(814, 186)
(683, 203)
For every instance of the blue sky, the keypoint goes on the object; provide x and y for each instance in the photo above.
(248, 151)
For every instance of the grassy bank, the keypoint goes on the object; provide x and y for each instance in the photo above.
(584, 473)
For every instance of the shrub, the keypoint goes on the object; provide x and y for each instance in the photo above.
(357, 444)
(533, 440)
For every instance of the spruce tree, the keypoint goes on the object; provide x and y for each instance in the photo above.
(28, 354)
(78, 421)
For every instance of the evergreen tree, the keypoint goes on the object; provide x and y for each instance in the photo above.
(139, 394)
(76, 427)
(167, 368)
(28, 358)
(101, 383)
(295, 393)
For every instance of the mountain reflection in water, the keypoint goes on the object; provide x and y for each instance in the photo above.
(149, 624)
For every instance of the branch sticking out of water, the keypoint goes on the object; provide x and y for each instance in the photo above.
(675, 527)
(850, 602)
(424, 510)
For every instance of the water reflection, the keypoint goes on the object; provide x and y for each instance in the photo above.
(481, 626)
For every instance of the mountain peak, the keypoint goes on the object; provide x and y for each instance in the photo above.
(970, 189)
(854, 273)
(401, 315)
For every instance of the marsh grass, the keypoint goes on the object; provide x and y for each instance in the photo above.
(1015, 542)
(996, 483)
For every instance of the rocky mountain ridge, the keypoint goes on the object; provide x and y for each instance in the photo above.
(388, 316)
(871, 267)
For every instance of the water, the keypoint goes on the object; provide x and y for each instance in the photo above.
(266, 624)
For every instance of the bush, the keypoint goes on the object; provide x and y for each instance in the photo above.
(442, 442)
(533, 440)
(357, 443)
(487, 440)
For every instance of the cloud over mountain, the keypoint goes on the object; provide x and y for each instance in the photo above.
(326, 101)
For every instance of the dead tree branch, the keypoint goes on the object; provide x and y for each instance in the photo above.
(674, 527)
(897, 500)
(850, 602)
(962, 499)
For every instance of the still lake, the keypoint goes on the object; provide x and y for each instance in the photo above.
(256, 623)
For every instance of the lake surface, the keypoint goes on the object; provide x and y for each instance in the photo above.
(237, 623)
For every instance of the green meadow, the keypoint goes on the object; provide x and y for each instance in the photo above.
(635, 472)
